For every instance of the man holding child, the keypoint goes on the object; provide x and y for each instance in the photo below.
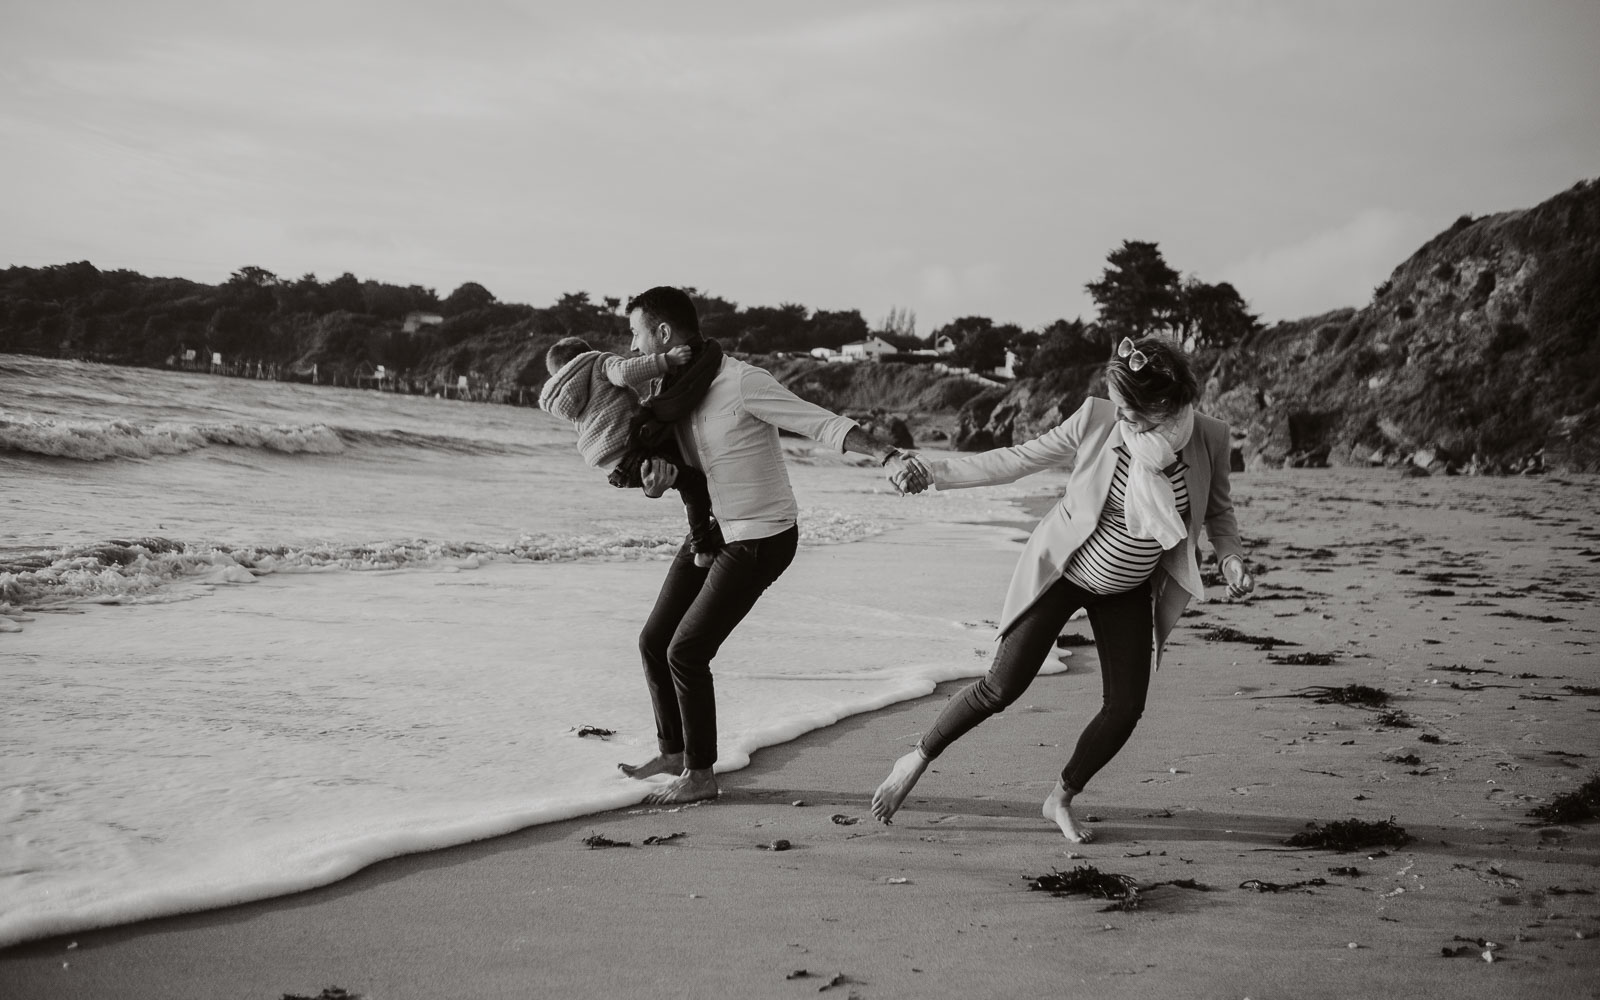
(726, 415)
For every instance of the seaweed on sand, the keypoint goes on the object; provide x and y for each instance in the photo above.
(596, 841)
(1544, 619)
(328, 993)
(1394, 719)
(1350, 694)
(1352, 835)
(1087, 880)
(1073, 639)
(1223, 633)
(1577, 806)
(1301, 659)
(1261, 886)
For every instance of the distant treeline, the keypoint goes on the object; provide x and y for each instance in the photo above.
(348, 326)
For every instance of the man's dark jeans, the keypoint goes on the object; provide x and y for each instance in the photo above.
(697, 609)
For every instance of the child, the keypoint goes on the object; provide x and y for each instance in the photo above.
(597, 392)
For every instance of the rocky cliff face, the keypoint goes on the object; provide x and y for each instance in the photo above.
(1482, 349)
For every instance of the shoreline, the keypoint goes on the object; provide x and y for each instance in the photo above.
(1227, 765)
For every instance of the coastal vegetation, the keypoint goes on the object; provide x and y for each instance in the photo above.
(1481, 351)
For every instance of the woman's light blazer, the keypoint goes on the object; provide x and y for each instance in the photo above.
(1086, 444)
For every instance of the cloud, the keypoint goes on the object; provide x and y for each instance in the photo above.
(1333, 268)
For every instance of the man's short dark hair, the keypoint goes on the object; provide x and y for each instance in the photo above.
(565, 350)
(665, 304)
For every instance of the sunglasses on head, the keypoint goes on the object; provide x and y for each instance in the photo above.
(1135, 358)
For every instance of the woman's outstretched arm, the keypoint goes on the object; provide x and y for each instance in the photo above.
(1056, 448)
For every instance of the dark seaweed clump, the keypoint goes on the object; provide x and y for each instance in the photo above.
(1223, 633)
(1350, 694)
(1394, 719)
(1087, 880)
(1352, 835)
(1301, 659)
(1073, 639)
(1545, 619)
(1577, 806)
(328, 993)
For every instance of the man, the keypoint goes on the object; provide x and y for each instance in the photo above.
(726, 415)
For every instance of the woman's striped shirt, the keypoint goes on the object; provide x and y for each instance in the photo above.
(1111, 561)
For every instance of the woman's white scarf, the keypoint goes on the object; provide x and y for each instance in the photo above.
(1150, 505)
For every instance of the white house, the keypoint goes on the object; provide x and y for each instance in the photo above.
(870, 349)
(417, 320)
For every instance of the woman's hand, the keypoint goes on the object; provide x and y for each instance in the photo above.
(679, 356)
(1240, 582)
(657, 474)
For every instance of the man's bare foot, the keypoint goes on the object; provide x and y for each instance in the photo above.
(690, 786)
(666, 763)
(902, 778)
(1056, 811)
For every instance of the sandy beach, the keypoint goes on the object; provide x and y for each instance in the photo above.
(1471, 603)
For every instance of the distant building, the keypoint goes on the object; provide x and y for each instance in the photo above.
(1007, 371)
(870, 349)
(825, 354)
(944, 344)
(417, 320)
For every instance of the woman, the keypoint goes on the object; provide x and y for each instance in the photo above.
(1147, 472)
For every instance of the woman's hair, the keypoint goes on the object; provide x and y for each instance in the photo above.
(564, 350)
(1162, 387)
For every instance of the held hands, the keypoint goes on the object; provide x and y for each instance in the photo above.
(657, 474)
(1240, 582)
(911, 474)
(679, 356)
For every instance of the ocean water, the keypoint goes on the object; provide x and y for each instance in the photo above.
(255, 636)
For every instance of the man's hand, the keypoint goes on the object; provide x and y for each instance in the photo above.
(1240, 582)
(679, 356)
(911, 475)
(657, 474)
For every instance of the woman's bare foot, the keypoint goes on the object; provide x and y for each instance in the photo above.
(902, 778)
(690, 786)
(666, 763)
(1056, 811)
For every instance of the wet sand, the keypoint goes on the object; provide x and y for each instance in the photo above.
(1474, 604)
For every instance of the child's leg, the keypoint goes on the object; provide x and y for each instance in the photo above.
(704, 535)
(705, 538)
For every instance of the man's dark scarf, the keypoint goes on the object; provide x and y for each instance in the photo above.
(681, 391)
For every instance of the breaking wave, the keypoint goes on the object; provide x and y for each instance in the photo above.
(100, 440)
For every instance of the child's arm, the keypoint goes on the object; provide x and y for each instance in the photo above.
(634, 373)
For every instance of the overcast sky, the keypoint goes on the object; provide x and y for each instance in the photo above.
(953, 158)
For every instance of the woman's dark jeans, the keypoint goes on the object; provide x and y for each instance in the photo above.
(697, 609)
(1123, 635)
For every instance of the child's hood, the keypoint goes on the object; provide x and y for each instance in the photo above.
(569, 390)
